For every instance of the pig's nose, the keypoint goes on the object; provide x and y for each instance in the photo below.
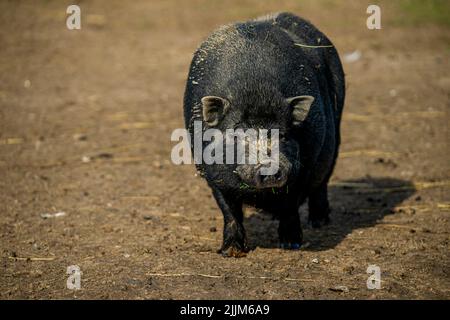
(266, 181)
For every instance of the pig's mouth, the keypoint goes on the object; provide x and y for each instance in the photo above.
(276, 180)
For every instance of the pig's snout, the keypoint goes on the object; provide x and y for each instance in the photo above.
(265, 174)
(265, 179)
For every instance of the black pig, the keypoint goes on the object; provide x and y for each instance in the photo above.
(281, 72)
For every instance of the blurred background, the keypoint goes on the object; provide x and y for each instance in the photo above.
(86, 178)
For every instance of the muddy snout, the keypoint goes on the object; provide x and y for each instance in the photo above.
(264, 178)
(266, 174)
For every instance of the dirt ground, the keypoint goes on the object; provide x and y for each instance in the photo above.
(85, 124)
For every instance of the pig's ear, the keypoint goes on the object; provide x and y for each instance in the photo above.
(213, 109)
(300, 108)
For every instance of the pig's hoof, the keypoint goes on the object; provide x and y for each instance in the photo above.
(290, 246)
(233, 251)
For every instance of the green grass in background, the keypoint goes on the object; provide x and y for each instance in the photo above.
(419, 12)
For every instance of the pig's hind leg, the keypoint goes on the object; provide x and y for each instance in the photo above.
(290, 230)
(234, 237)
(319, 208)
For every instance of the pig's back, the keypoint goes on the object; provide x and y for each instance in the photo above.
(281, 48)
(318, 48)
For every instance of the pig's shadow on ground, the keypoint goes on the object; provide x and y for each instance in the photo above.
(356, 204)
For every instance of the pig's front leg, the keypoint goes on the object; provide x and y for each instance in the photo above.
(234, 237)
(289, 229)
